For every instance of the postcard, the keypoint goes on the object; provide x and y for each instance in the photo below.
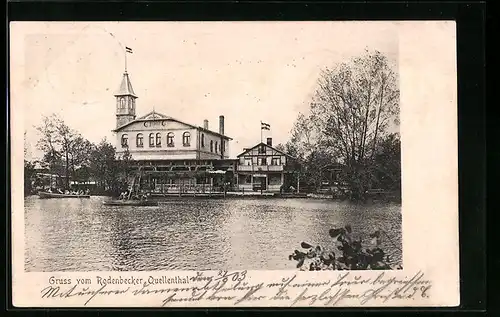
(234, 164)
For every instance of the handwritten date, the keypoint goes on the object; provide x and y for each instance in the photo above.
(237, 288)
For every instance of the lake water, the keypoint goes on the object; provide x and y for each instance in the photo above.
(191, 234)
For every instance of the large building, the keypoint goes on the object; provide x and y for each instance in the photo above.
(173, 151)
(157, 137)
(176, 156)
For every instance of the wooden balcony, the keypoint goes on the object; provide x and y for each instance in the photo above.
(260, 168)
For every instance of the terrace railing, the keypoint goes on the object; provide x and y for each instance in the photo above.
(260, 168)
(186, 189)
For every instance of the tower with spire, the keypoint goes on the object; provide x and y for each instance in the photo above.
(125, 102)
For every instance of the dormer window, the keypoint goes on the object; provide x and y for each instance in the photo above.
(186, 139)
(151, 140)
(170, 139)
(124, 141)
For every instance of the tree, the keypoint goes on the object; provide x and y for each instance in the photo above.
(387, 162)
(316, 168)
(29, 173)
(49, 142)
(104, 166)
(350, 112)
(63, 147)
(125, 168)
(304, 138)
(79, 155)
(29, 169)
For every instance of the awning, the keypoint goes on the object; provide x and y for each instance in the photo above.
(83, 183)
(216, 172)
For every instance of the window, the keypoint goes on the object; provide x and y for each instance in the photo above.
(248, 161)
(262, 149)
(261, 161)
(275, 161)
(140, 140)
(124, 140)
(170, 139)
(202, 140)
(158, 139)
(151, 140)
(211, 146)
(122, 103)
(248, 179)
(186, 139)
(216, 146)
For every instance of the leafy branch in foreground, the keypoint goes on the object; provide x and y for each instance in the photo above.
(354, 256)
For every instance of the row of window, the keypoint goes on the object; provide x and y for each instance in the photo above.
(122, 103)
(263, 161)
(155, 140)
(248, 179)
(213, 146)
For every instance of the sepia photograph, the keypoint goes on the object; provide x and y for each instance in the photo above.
(185, 152)
(167, 160)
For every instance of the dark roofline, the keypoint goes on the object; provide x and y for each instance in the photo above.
(125, 94)
(171, 119)
(262, 143)
(213, 132)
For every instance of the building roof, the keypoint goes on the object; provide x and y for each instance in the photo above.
(156, 116)
(125, 87)
(246, 150)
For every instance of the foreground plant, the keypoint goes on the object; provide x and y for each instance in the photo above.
(354, 256)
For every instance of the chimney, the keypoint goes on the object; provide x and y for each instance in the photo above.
(221, 125)
(205, 124)
(270, 141)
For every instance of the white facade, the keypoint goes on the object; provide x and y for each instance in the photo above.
(158, 137)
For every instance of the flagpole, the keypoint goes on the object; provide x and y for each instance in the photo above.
(261, 132)
(125, 60)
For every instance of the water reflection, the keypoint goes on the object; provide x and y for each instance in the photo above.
(84, 235)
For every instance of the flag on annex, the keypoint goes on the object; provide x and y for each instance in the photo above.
(128, 50)
(265, 126)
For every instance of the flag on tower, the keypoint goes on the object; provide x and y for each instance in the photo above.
(128, 50)
(265, 126)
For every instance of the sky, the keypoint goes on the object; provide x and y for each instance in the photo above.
(247, 71)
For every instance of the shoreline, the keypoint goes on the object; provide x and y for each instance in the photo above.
(252, 195)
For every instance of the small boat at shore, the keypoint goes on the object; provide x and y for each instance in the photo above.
(130, 203)
(46, 195)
